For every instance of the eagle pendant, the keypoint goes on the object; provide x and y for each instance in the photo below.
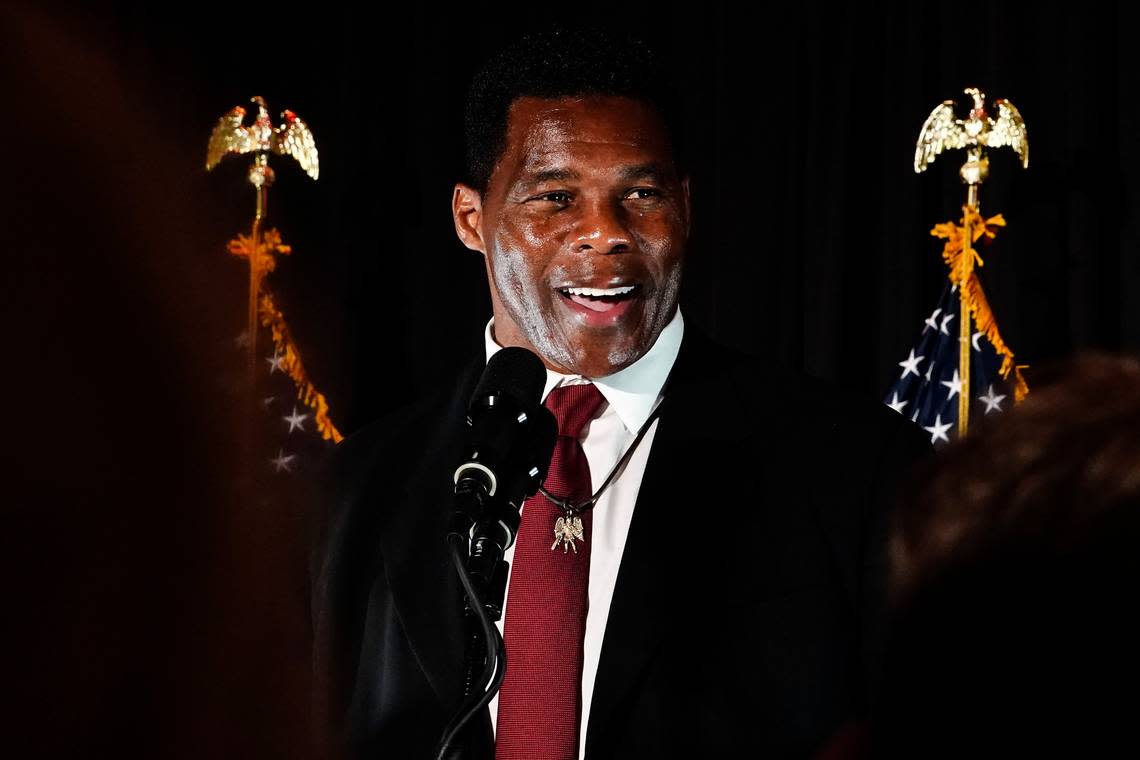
(567, 529)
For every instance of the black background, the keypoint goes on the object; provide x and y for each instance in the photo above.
(810, 239)
(158, 610)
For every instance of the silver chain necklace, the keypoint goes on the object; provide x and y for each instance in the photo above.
(568, 527)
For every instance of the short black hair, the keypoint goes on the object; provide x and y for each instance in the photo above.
(558, 63)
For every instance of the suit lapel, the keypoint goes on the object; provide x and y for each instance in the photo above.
(700, 416)
(420, 574)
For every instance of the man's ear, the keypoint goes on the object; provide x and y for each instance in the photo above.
(467, 213)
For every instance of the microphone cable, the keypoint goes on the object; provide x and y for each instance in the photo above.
(494, 669)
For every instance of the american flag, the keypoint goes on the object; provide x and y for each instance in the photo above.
(291, 436)
(294, 429)
(929, 384)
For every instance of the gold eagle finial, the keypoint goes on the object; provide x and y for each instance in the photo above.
(293, 138)
(942, 131)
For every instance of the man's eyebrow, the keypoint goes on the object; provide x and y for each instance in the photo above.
(559, 174)
(640, 171)
(647, 171)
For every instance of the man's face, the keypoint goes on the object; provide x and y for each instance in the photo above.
(583, 227)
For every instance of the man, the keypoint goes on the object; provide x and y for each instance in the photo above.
(725, 592)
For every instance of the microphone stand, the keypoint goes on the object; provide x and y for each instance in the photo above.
(483, 573)
(478, 696)
(488, 572)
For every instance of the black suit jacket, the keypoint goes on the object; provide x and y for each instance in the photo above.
(748, 611)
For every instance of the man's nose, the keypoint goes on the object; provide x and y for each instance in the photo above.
(602, 228)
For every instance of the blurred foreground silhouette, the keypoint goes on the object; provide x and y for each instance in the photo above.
(1015, 571)
(156, 603)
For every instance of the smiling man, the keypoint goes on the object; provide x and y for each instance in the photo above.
(582, 223)
(722, 592)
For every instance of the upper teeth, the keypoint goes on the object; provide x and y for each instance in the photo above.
(600, 291)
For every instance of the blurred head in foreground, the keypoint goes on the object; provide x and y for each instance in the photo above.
(1015, 565)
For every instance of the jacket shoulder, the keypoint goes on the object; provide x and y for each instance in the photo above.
(792, 402)
(391, 444)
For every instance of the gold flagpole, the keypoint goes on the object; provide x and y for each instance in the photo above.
(964, 328)
(262, 177)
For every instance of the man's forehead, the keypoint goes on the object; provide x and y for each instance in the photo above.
(546, 135)
(586, 117)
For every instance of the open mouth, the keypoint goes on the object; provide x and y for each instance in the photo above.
(601, 300)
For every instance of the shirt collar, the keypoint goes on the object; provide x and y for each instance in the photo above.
(633, 392)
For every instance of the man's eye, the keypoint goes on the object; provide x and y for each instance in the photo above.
(640, 193)
(555, 197)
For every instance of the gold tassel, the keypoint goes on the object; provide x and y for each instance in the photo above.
(271, 317)
(963, 275)
(271, 244)
(307, 393)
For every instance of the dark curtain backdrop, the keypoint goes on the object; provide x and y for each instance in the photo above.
(157, 607)
(810, 239)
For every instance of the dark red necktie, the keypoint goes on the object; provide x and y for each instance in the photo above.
(540, 704)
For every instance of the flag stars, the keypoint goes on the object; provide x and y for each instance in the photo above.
(954, 384)
(992, 401)
(932, 320)
(929, 369)
(910, 365)
(296, 421)
(938, 430)
(275, 363)
(945, 321)
(897, 404)
(283, 462)
(973, 341)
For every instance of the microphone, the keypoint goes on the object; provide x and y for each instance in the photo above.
(510, 439)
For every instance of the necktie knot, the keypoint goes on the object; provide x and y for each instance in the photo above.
(573, 406)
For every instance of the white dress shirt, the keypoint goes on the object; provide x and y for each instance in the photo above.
(632, 394)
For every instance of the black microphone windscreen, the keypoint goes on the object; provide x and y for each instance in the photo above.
(515, 372)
